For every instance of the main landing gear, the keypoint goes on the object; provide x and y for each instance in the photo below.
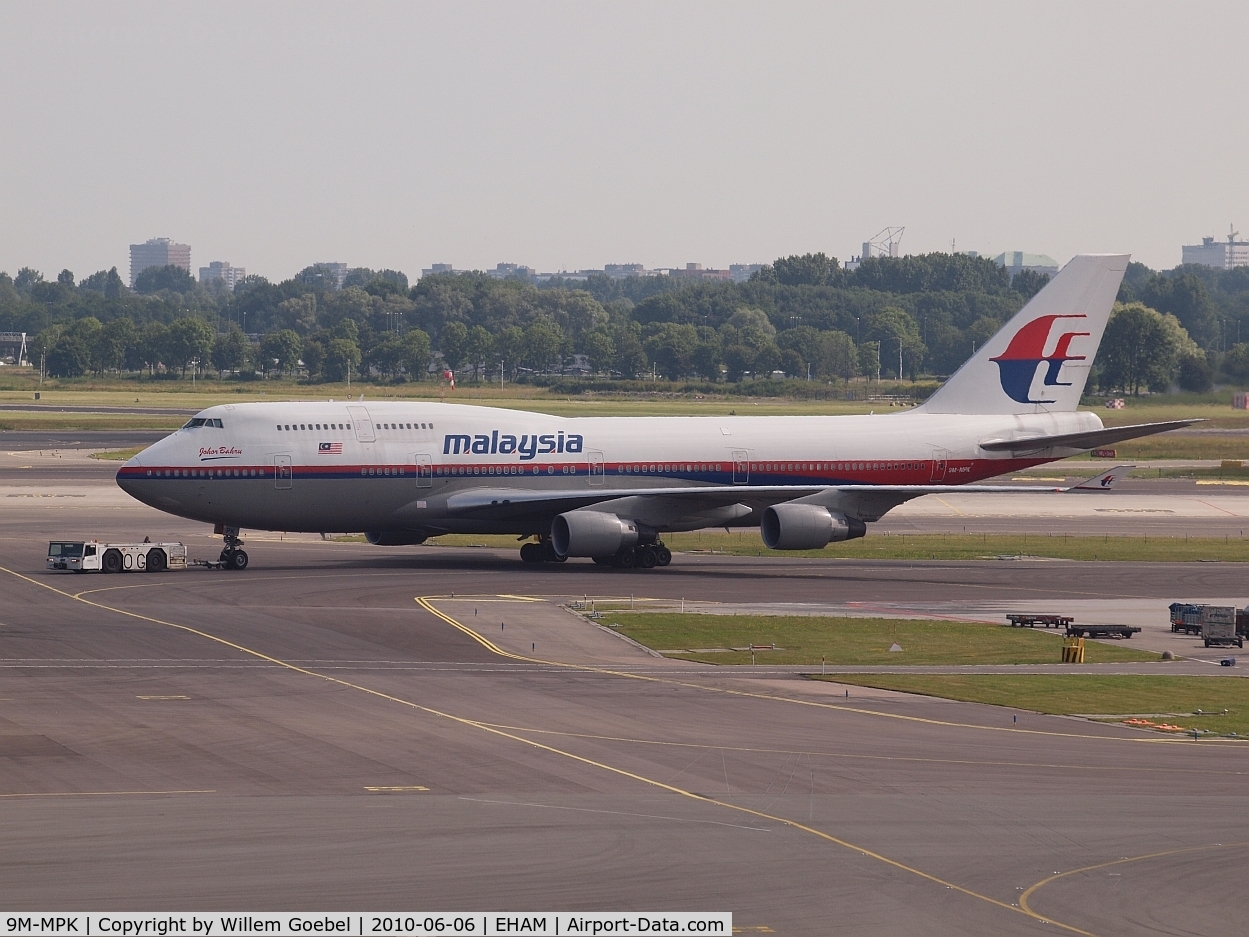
(645, 556)
(232, 557)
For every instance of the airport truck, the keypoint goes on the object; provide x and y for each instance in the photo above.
(1218, 626)
(84, 556)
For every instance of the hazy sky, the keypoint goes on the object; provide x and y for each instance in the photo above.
(275, 135)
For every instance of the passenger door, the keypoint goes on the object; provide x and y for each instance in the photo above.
(597, 471)
(362, 423)
(940, 459)
(741, 467)
(424, 470)
(282, 474)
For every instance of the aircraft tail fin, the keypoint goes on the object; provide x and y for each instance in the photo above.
(1105, 481)
(1039, 361)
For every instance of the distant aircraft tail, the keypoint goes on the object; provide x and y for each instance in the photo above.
(1039, 361)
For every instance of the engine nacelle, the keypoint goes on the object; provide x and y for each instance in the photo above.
(591, 533)
(806, 527)
(395, 538)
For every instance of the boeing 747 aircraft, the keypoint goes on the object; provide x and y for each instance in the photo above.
(608, 487)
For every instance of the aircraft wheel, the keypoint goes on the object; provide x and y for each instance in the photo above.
(663, 556)
(531, 553)
(225, 556)
(238, 560)
(626, 559)
(111, 562)
(156, 561)
(647, 558)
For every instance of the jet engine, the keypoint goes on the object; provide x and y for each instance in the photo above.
(806, 527)
(395, 538)
(591, 533)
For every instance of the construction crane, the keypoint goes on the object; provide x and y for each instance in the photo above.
(884, 244)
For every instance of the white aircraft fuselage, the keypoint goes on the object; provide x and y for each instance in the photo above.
(335, 466)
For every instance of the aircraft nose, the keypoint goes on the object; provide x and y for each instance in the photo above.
(131, 478)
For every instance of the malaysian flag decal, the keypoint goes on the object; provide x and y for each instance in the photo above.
(330, 448)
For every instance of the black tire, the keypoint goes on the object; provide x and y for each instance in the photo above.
(663, 556)
(626, 559)
(531, 553)
(1207, 644)
(647, 558)
(238, 561)
(111, 561)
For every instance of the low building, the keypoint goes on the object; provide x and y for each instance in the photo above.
(698, 272)
(1223, 255)
(158, 252)
(1018, 261)
(221, 271)
(743, 272)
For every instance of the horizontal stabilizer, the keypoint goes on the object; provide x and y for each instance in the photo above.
(1089, 440)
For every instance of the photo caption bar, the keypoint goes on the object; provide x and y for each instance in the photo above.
(362, 924)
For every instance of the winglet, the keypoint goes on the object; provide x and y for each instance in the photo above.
(1105, 481)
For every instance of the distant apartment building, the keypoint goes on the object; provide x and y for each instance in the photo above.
(1018, 261)
(743, 272)
(438, 268)
(620, 271)
(698, 272)
(158, 252)
(221, 271)
(339, 271)
(510, 271)
(1223, 255)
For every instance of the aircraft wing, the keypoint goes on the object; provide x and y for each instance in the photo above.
(1089, 440)
(718, 504)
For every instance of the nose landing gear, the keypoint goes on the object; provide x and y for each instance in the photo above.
(232, 556)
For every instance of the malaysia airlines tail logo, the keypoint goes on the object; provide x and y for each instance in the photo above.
(1017, 365)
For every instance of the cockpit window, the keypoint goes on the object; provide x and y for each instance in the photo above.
(191, 424)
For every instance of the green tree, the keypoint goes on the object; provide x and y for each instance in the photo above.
(630, 355)
(895, 329)
(1195, 373)
(507, 346)
(1236, 363)
(299, 313)
(415, 354)
(386, 357)
(189, 341)
(600, 349)
(69, 356)
(115, 345)
(342, 358)
(804, 270)
(480, 346)
(869, 359)
(229, 351)
(1138, 349)
(169, 277)
(314, 356)
(453, 343)
(708, 354)
(153, 344)
(672, 349)
(542, 345)
(281, 349)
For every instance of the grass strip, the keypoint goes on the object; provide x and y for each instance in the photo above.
(1165, 699)
(117, 455)
(725, 639)
(936, 547)
(956, 546)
